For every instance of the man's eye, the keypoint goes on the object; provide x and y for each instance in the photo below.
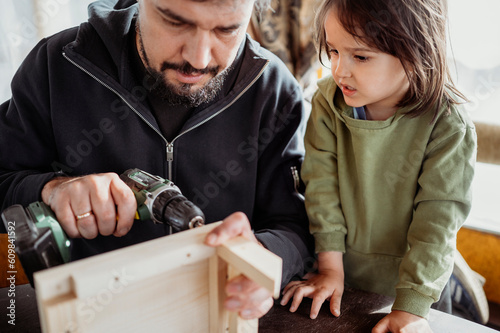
(173, 23)
(228, 31)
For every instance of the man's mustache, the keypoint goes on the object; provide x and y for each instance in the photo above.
(186, 68)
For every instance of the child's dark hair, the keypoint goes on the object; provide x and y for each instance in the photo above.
(414, 31)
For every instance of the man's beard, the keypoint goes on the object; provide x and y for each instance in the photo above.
(182, 94)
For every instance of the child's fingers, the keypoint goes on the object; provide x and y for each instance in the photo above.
(291, 285)
(288, 293)
(297, 297)
(382, 326)
(335, 301)
(318, 300)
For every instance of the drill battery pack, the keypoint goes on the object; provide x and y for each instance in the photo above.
(39, 240)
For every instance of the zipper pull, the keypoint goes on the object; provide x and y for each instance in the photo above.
(296, 178)
(170, 158)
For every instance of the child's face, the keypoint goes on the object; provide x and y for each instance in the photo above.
(367, 76)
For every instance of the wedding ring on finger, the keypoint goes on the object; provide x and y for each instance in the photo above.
(84, 215)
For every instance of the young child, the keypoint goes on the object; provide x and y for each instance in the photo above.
(389, 159)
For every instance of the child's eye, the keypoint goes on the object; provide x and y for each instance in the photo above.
(333, 51)
(361, 58)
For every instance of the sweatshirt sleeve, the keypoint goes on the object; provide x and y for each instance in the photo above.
(441, 205)
(320, 174)
(26, 137)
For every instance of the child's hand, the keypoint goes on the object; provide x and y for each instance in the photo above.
(327, 284)
(400, 321)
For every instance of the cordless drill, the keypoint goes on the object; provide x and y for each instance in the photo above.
(41, 243)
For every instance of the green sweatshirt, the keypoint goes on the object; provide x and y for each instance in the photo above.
(390, 194)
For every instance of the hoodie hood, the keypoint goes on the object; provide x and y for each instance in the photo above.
(112, 21)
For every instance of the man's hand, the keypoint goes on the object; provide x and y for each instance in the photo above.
(401, 321)
(91, 205)
(244, 296)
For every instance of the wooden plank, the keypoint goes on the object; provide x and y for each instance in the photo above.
(175, 283)
(88, 276)
(60, 314)
(156, 282)
(175, 301)
(218, 316)
(237, 324)
(254, 261)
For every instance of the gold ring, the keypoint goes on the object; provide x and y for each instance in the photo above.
(84, 215)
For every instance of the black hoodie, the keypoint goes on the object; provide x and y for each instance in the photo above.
(76, 109)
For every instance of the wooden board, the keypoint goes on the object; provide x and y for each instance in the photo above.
(174, 284)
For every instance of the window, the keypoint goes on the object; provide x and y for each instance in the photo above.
(475, 41)
(475, 45)
(24, 22)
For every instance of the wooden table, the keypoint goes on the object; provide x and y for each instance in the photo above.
(360, 312)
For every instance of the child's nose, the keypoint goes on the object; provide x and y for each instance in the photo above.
(341, 68)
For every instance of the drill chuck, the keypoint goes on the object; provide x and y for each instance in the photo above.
(172, 208)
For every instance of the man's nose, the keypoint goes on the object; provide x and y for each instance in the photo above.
(198, 49)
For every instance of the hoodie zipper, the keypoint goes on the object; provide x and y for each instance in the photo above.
(169, 145)
(170, 158)
(296, 178)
